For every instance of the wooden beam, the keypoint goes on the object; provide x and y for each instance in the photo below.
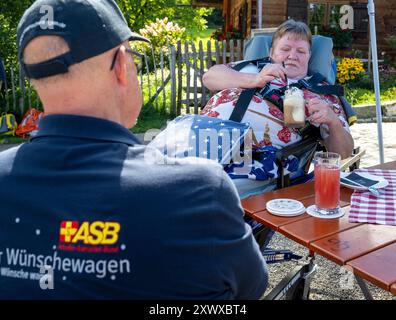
(207, 3)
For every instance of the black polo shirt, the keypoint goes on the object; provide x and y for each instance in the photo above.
(86, 214)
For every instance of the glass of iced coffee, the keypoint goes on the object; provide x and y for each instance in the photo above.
(294, 108)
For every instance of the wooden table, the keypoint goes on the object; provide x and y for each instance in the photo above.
(369, 249)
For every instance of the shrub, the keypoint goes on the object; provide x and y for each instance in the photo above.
(161, 34)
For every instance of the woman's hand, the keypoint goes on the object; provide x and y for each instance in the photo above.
(269, 73)
(338, 139)
(320, 112)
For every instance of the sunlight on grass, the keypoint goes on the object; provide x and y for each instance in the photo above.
(203, 36)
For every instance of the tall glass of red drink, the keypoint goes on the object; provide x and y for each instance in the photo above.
(327, 182)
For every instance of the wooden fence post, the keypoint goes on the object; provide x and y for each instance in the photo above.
(179, 76)
(195, 68)
(201, 73)
(231, 50)
(172, 66)
(239, 50)
(187, 58)
(162, 79)
(155, 76)
(224, 49)
(147, 77)
(217, 46)
(209, 54)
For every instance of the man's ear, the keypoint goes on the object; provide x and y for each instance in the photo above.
(120, 66)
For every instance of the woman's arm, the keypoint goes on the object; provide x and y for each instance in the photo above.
(338, 140)
(220, 77)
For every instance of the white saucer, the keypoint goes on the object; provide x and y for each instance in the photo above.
(284, 214)
(381, 182)
(311, 210)
(285, 207)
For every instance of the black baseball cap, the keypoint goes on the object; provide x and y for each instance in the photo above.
(90, 27)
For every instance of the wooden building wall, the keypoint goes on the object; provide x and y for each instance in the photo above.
(274, 12)
(277, 11)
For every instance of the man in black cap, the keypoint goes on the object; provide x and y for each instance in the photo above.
(83, 214)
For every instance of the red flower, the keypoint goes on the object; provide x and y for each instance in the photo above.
(284, 135)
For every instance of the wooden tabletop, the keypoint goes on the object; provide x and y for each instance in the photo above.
(378, 266)
(393, 289)
(361, 246)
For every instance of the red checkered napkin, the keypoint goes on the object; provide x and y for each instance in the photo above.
(366, 207)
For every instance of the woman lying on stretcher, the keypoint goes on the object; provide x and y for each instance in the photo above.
(290, 54)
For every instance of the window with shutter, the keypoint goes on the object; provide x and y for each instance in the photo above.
(360, 21)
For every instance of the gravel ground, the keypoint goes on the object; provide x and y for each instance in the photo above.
(365, 135)
(331, 282)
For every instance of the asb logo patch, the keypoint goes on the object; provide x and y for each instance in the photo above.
(94, 233)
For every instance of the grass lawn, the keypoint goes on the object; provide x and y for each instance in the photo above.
(149, 119)
(203, 36)
(11, 140)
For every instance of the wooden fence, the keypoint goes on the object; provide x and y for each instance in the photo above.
(179, 81)
(174, 82)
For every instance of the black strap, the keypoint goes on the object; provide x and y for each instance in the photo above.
(242, 104)
(312, 85)
(54, 66)
(259, 63)
(246, 95)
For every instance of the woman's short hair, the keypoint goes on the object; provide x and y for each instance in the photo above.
(298, 28)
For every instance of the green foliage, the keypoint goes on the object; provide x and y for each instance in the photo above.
(215, 18)
(391, 40)
(141, 12)
(149, 119)
(341, 38)
(10, 14)
(356, 95)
